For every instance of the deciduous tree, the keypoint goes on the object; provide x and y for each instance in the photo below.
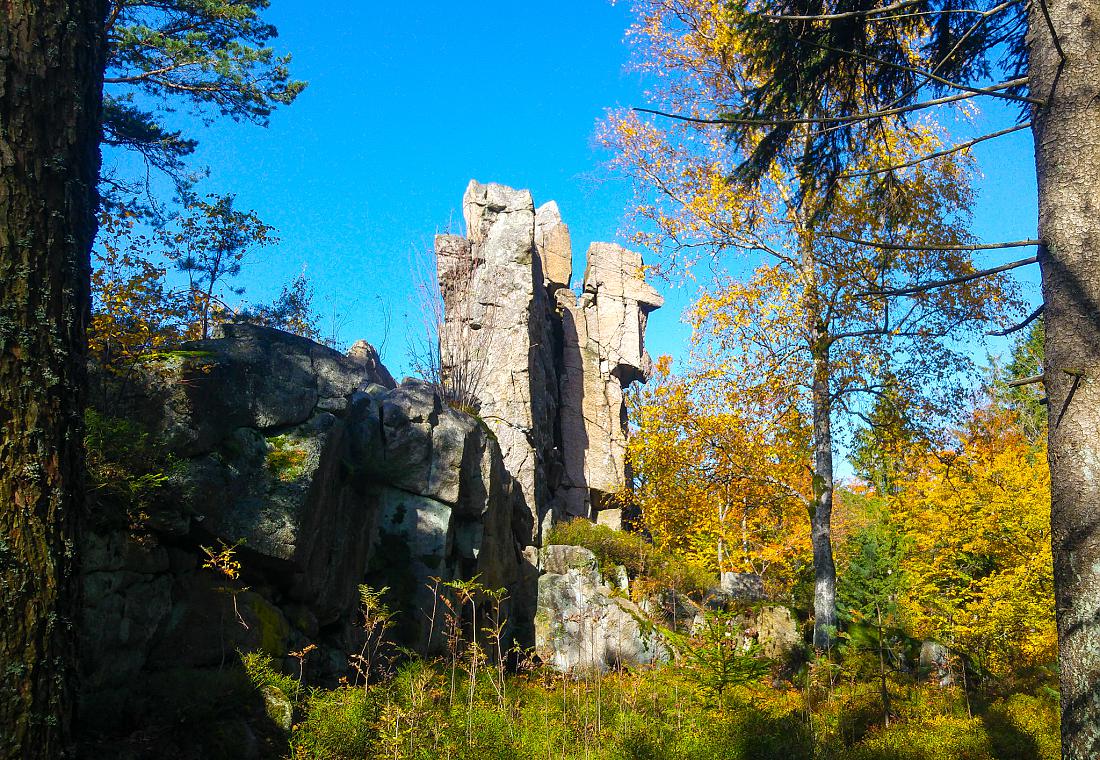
(978, 525)
(827, 315)
(720, 474)
(844, 71)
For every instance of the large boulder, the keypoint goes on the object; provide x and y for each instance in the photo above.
(248, 376)
(777, 632)
(317, 474)
(581, 624)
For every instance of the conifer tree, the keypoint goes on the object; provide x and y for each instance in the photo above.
(51, 72)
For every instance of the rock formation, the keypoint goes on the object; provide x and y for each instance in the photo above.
(322, 474)
(317, 473)
(546, 369)
(582, 624)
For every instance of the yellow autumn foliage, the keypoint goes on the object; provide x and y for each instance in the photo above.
(721, 475)
(980, 561)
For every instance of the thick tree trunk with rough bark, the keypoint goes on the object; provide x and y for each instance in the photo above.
(821, 515)
(51, 70)
(1067, 159)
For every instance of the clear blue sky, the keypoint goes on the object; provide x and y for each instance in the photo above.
(409, 101)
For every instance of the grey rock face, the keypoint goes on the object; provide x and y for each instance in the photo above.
(776, 632)
(559, 559)
(605, 352)
(334, 480)
(552, 368)
(580, 625)
(554, 247)
(497, 329)
(935, 663)
(747, 586)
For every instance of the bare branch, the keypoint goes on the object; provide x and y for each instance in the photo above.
(943, 247)
(849, 14)
(923, 287)
(1031, 318)
(937, 154)
(1032, 380)
(839, 119)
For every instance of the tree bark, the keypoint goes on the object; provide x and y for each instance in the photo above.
(821, 515)
(51, 70)
(1067, 160)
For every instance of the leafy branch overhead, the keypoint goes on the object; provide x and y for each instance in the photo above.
(211, 57)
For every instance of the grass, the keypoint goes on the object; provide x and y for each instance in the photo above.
(651, 714)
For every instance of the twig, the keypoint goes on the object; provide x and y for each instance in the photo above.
(941, 247)
(921, 288)
(937, 154)
(1031, 318)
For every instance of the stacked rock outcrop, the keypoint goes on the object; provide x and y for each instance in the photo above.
(320, 474)
(547, 368)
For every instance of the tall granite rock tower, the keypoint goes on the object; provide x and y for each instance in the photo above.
(545, 368)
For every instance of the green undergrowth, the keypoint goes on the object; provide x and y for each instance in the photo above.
(420, 712)
(126, 469)
(658, 569)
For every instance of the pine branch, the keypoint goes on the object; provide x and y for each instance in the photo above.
(838, 119)
(941, 247)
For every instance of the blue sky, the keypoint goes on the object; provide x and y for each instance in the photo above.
(409, 101)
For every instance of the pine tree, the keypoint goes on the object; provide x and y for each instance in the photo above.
(51, 71)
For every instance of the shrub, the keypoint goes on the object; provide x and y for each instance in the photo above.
(664, 570)
(939, 738)
(125, 468)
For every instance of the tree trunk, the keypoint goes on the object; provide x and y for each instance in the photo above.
(821, 515)
(51, 70)
(1067, 160)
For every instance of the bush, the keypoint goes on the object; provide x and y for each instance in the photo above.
(1023, 726)
(640, 557)
(125, 469)
(940, 738)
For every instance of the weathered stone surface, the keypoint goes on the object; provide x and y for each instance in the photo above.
(748, 586)
(777, 632)
(610, 518)
(210, 621)
(250, 376)
(581, 625)
(390, 486)
(558, 559)
(498, 333)
(554, 367)
(604, 353)
(554, 246)
(252, 489)
(278, 707)
(935, 663)
(618, 311)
